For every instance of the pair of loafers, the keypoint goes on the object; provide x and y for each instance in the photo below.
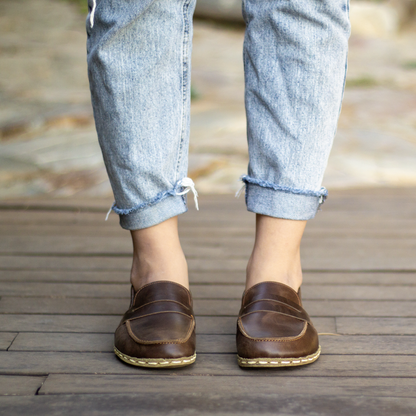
(273, 330)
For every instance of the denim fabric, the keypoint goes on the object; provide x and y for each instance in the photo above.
(295, 55)
(139, 66)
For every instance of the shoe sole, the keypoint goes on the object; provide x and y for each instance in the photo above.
(278, 362)
(155, 362)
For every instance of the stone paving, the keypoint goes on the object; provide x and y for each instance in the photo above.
(48, 142)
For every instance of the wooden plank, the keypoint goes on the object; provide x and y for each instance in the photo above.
(352, 225)
(19, 385)
(59, 323)
(363, 254)
(376, 326)
(57, 263)
(46, 341)
(238, 385)
(117, 290)
(330, 253)
(334, 255)
(359, 308)
(42, 363)
(107, 263)
(6, 339)
(231, 277)
(368, 344)
(92, 245)
(107, 324)
(63, 276)
(78, 290)
(214, 344)
(104, 342)
(202, 307)
(206, 404)
(358, 279)
(63, 305)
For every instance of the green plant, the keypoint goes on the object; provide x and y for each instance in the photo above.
(366, 81)
(409, 65)
(82, 5)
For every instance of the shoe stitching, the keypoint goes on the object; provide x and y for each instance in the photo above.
(269, 281)
(157, 301)
(173, 341)
(154, 361)
(160, 312)
(278, 312)
(301, 310)
(188, 293)
(284, 339)
(280, 362)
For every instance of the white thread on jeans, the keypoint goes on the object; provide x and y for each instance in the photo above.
(189, 185)
(94, 5)
(109, 212)
(238, 193)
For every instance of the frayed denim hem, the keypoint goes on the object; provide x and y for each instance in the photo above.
(157, 209)
(270, 199)
(182, 187)
(170, 206)
(321, 194)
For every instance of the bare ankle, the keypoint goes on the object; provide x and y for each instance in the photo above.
(260, 271)
(158, 255)
(276, 252)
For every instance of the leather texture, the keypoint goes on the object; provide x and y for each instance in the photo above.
(159, 324)
(272, 324)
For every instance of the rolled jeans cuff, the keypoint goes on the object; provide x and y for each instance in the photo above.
(169, 207)
(282, 202)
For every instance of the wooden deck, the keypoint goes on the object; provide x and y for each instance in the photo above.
(64, 285)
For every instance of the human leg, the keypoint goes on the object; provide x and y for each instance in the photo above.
(276, 252)
(295, 64)
(158, 255)
(139, 71)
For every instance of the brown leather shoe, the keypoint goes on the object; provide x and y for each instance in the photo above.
(158, 330)
(273, 330)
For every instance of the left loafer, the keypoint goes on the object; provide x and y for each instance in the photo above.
(273, 329)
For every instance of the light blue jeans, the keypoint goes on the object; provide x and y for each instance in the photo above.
(139, 65)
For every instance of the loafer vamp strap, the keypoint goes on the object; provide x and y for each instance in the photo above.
(275, 306)
(163, 290)
(156, 307)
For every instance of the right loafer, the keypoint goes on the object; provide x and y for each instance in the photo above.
(273, 330)
(158, 330)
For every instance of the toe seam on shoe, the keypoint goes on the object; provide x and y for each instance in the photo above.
(276, 339)
(173, 341)
(278, 312)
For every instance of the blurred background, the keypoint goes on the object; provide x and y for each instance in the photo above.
(48, 144)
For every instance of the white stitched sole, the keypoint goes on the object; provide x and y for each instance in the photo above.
(155, 362)
(278, 362)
